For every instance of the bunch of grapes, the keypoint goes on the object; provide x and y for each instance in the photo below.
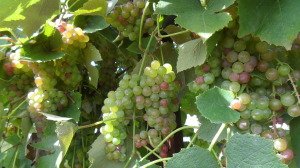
(206, 74)
(152, 96)
(21, 77)
(44, 98)
(66, 69)
(127, 19)
(71, 35)
(157, 95)
(264, 86)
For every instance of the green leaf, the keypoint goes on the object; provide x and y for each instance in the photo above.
(49, 142)
(90, 24)
(295, 139)
(134, 46)
(187, 103)
(92, 55)
(214, 105)
(208, 130)
(45, 47)
(192, 16)
(73, 110)
(212, 41)
(93, 7)
(37, 13)
(248, 151)
(97, 155)
(65, 132)
(10, 12)
(193, 157)
(191, 54)
(276, 22)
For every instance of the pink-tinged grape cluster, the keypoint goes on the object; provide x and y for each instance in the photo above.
(71, 35)
(127, 19)
(264, 86)
(152, 96)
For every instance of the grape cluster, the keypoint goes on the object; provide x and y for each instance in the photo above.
(72, 35)
(263, 84)
(44, 98)
(206, 74)
(21, 76)
(127, 19)
(152, 96)
(66, 69)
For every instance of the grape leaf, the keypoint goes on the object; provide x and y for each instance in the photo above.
(11, 11)
(92, 7)
(73, 110)
(45, 47)
(192, 16)
(50, 143)
(295, 138)
(187, 103)
(97, 155)
(65, 132)
(92, 55)
(90, 24)
(36, 14)
(248, 151)
(191, 54)
(276, 22)
(214, 105)
(208, 130)
(193, 157)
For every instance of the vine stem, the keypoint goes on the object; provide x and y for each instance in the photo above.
(214, 140)
(165, 139)
(154, 162)
(95, 124)
(168, 35)
(146, 147)
(193, 139)
(295, 88)
(146, 53)
(142, 25)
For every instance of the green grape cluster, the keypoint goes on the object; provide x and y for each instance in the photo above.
(73, 36)
(45, 97)
(127, 19)
(152, 96)
(66, 69)
(264, 85)
(20, 84)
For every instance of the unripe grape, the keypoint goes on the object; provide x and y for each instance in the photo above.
(280, 144)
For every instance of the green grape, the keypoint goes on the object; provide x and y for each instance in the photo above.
(262, 47)
(275, 104)
(238, 67)
(209, 78)
(239, 45)
(294, 110)
(257, 114)
(244, 57)
(234, 87)
(244, 98)
(287, 99)
(284, 70)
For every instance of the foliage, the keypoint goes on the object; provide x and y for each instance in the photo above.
(113, 83)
